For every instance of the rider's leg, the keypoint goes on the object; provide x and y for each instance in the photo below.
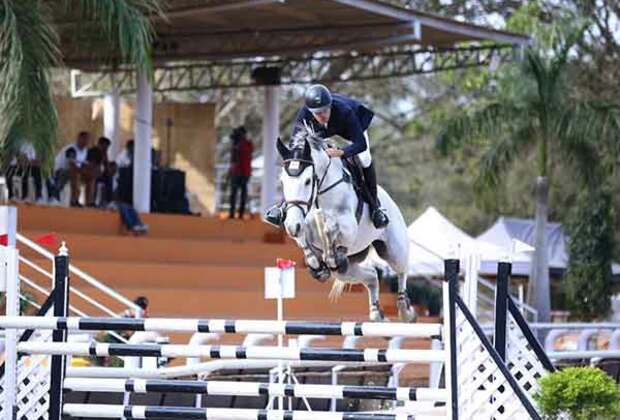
(379, 218)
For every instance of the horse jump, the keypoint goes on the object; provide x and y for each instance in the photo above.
(466, 349)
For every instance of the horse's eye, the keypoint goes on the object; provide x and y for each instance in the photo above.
(307, 182)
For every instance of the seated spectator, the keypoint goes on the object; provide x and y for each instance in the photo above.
(143, 303)
(131, 219)
(125, 157)
(56, 183)
(98, 157)
(25, 165)
(78, 169)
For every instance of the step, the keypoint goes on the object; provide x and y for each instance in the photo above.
(201, 276)
(105, 222)
(152, 249)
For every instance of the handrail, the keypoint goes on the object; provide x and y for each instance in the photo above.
(72, 308)
(84, 276)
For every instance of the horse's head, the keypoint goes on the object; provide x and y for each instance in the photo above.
(303, 159)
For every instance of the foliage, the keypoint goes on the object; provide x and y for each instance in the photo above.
(584, 393)
(425, 295)
(30, 48)
(588, 279)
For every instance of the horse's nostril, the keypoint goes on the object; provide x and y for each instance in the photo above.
(297, 229)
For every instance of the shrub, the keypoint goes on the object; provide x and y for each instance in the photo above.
(581, 393)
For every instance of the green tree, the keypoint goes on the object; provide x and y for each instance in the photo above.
(588, 279)
(119, 30)
(531, 113)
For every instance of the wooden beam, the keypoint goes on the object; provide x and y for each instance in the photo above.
(206, 9)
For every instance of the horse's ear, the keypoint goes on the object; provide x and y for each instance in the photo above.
(307, 151)
(282, 149)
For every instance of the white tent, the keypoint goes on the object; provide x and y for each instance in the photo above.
(434, 238)
(506, 229)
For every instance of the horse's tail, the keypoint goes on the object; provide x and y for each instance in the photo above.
(338, 288)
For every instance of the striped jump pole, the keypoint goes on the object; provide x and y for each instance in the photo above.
(154, 412)
(234, 352)
(366, 329)
(255, 389)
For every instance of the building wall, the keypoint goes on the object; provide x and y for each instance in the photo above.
(189, 144)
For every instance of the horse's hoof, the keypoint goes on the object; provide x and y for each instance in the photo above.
(406, 312)
(376, 314)
(321, 274)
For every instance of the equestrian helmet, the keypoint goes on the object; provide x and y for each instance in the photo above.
(317, 98)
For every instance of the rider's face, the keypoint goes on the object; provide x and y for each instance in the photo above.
(322, 116)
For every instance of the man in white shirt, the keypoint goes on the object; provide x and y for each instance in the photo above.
(71, 165)
(25, 164)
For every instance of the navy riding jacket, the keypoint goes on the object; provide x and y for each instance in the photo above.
(349, 119)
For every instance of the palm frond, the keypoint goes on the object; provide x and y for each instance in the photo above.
(29, 49)
(126, 25)
(486, 123)
(587, 131)
(500, 154)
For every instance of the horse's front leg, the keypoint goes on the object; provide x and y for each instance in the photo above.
(316, 267)
(340, 237)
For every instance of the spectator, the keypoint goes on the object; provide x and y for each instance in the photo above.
(131, 219)
(143, 303)
(125, 157)
(78, 169)
(106, 170)
(240, 169)
(25, 164)
(57, 182)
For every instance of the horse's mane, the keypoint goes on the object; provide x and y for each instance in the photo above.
(303, 135)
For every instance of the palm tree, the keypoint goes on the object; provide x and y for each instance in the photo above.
(534, 112)
(118, 30)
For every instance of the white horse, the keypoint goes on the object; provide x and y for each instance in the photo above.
(320, 214)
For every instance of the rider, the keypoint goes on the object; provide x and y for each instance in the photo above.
(330, 114)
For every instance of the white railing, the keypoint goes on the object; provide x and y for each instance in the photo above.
(105, 290)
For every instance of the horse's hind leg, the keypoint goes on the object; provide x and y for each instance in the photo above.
(406, 311)
(396, 254)
(367, 275)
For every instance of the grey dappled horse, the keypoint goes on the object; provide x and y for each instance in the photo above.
(320, 206)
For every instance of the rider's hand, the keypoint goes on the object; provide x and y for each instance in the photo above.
(333, 152)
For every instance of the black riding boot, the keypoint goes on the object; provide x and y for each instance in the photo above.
(378, 216)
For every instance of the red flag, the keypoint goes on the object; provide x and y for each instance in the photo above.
(4, 240)
(49, 239)
(281, 263)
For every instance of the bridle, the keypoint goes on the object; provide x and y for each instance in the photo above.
(305, 205)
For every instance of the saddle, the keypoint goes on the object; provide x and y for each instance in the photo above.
(356, 175)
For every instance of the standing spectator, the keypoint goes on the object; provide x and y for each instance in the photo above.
(75, 166)
(25, 164)
(240, 169)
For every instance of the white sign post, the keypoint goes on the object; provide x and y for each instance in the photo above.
(280, 285)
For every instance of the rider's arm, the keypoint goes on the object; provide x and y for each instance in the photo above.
(355, 134)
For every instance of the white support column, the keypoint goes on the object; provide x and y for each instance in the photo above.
(111, 121)
(143, 144)
(9, 257)
(271, 130)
